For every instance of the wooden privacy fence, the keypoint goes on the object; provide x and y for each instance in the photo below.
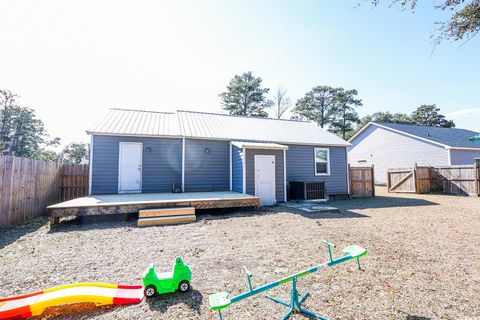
(445, 179)
(29, 186)
(463, 180)
(74, 181)
(362, 181)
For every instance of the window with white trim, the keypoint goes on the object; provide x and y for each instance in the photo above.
(322, 161)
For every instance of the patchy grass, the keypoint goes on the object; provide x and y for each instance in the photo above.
(423, 261)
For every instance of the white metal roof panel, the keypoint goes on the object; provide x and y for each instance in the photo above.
(218, 126)
(213, 126)
(137, 122)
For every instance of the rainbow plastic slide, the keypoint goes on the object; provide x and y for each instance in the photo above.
(34, 304)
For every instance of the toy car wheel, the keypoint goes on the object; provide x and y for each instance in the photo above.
(150, 291)
(184, 286)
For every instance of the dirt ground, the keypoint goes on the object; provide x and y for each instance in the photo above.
(423, 261)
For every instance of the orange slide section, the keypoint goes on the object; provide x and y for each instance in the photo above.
(87, 292)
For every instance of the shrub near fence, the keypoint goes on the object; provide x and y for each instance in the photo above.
(29, 186)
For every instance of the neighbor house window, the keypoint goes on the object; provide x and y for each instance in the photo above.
(322, 161)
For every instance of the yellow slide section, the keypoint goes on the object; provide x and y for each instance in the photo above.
(92, 292)
(87, 292)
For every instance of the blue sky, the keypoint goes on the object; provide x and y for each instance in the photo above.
(74, 60)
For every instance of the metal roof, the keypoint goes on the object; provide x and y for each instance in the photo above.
(191, 124)
(226, 127)
(138, 123)
(447, 137)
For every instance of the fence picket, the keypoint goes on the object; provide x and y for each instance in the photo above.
(29, 186)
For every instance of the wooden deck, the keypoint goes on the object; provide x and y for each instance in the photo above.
(131, 203)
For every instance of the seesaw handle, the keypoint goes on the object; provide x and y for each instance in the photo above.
(328, 243)
(249, 276)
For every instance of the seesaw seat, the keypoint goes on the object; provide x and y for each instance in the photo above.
(354, 251)
(219, 301)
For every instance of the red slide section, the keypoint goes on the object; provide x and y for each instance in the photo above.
(34, 304)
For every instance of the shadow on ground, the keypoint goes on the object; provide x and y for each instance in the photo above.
(410, 317)
(347, 211)
(192, 299)
(229, 213)
(381, 202)
(76, 311)
(12, 234)
(107, 221)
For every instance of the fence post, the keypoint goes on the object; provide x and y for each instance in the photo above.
(430, 178)
(415, 180)
(389, 182)
(349, 181)
(373, 180)
(477, 176)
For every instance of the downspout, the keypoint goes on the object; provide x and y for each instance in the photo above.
(183, 164)
(231, 172)
(284, 175)
(90, 166)
(348, 171)
(244, 168)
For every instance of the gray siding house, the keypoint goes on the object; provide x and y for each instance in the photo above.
(134, 151)
(389, 145)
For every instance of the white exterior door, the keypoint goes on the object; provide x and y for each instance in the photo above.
(130, 167)
(265, 179)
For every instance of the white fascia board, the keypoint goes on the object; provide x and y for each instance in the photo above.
(462, 148)
(359, 132)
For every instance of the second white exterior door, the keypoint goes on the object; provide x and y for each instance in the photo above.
(265, 179)
(130, 167)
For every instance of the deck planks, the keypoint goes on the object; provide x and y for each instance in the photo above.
(132, 203)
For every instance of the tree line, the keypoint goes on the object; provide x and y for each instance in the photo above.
(332, 108)
(22, 134)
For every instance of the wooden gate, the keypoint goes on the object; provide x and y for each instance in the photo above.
(362, 181)
(461, 180)
(401, 180)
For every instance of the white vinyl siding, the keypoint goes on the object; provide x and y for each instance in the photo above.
(386, 149)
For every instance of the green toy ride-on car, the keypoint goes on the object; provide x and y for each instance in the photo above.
(166, 282)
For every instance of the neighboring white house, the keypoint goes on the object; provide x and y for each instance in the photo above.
(391, 145)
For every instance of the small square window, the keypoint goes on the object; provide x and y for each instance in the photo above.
(322, 161)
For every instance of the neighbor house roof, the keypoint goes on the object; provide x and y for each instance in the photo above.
(451, 138)
(191, 124)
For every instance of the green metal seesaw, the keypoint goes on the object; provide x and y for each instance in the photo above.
(220, 300)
